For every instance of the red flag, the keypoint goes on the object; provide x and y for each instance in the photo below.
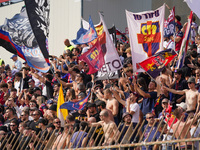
(155, 64)
(94, 58)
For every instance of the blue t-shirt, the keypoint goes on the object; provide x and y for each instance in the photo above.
(148, 103)
(150, 136)
(78, 138)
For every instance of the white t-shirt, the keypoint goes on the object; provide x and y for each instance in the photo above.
(168, 45)
(136, 108)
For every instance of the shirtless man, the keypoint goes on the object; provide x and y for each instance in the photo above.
(111, 132)
(191, 95)
(183, 126)
(63, 140)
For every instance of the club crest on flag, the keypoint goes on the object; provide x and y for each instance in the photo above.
(93, 58)
(150, 37)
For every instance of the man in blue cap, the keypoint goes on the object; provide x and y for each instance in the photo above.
(17, 65)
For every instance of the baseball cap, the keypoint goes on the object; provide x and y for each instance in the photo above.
(125, 114)
(191, 79)
(30, 80)
(13, 56)
(3, 128)
(9, 81)
(182, 105)
(165, 100)
(91, 105)
(53, 107)
(179, 71)
(50, 101)
(50, 125)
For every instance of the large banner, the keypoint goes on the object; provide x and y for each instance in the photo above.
(111, 57)
(146, 34)
(17, 37)
(38, 14)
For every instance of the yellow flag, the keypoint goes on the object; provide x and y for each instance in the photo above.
(61, 113)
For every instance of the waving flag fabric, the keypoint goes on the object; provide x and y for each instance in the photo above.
(17, 37)
(61, 113)
(88, 36)
(38, 14)
(184, 44)
(94, 58)
(169, 24)
(155, 64)
(146, 34)
(75, 105)
(194, 6)
(111, 57)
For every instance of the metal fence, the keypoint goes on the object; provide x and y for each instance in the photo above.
(129, 137)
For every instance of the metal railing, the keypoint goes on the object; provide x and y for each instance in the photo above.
(129, 137)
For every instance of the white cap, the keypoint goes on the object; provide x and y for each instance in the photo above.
(182, 105)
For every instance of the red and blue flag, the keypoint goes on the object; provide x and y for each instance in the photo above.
(94, 58)
(184, 45)
(76, 105)
(155, 64)
(86, 36)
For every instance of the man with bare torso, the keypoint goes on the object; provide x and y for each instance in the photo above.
(63, 140)
(181, 128)
(191, 95)
(111, 132)
(111, 103)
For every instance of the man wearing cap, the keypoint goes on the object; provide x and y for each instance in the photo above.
(92, 111)
(31, 83)
(191, 95)
(126, 117)
(17, 65)
(3, 132)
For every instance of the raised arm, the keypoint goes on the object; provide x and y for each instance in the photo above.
(179, 92)
(117, 97)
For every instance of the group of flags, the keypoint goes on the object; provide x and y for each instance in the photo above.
(29, 39)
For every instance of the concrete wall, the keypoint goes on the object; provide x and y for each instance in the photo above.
(8, 12)
(113, 10)
(64, 23)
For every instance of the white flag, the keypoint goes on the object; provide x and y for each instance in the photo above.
(194, 5)
(111, 57)
(146, 34)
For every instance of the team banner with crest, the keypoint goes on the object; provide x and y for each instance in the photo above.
(146, 34)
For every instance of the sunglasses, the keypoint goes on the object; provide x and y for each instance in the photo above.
(58, 122)
(164, 102)
(151, 117)
(35, 114)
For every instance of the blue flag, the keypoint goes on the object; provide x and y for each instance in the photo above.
(75, 105)
(86, 36)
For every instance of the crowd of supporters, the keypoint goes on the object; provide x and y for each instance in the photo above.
(131, 108)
